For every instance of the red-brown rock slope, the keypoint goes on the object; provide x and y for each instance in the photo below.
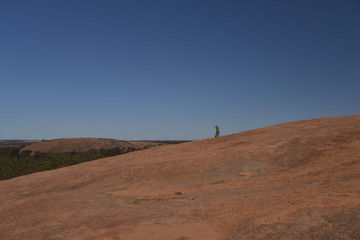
(299, 180)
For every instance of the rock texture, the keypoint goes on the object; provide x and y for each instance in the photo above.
(299, 180)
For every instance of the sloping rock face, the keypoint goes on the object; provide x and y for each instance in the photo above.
(299, 180)
(65, 145)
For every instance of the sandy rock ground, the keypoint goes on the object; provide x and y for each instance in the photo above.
(299, 180)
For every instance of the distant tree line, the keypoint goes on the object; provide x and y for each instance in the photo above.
(16, 143)
(166, 141)
(169, 141)
(14, 162)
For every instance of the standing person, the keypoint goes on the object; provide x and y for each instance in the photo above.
(217, 128)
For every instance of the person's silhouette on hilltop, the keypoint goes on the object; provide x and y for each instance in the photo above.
(217, 128)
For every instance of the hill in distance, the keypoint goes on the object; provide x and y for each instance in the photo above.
(52, 154)
(298, 180)
(66, 145)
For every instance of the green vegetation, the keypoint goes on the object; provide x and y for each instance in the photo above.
(14, 162)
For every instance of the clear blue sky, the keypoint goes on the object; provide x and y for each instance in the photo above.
(171, 69)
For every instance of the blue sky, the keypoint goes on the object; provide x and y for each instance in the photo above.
(139, 69)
